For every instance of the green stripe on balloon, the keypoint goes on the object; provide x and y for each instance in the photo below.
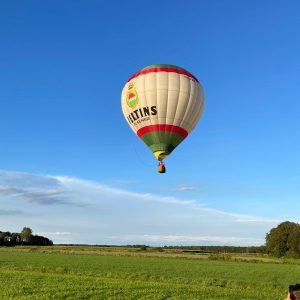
(162, 140)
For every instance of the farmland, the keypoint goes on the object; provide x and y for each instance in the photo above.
(131, 273)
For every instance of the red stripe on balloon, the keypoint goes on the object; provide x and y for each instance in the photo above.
(162, 127)
(163, 69)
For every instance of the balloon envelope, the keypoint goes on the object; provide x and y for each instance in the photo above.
(162, 104)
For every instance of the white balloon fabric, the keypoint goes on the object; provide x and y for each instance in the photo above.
(162, 104)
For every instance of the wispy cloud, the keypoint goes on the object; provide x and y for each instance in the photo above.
(10, 212)
(98, 213)
(186, 187)
(57, 233)
(35, 196)
(34, 189)
(188, 239)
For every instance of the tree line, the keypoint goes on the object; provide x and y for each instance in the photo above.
(222, 249)
(283, 240)
(25, 237)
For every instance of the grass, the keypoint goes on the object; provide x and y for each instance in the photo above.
(129, 273)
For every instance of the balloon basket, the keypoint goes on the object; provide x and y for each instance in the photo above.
(161, 168)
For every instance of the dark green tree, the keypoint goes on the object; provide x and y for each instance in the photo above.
(26, 235)
(1, 238)
(7, 237)
(15, 238)
(294, 243)
(24, 238)
(280, 240)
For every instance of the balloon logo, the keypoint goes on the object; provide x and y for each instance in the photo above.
(162, 104)
(132, 97)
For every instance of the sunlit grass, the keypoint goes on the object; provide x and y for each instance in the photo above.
(129, 273)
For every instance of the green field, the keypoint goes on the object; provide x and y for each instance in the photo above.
(130, 273)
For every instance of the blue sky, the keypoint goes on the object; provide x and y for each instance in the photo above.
(71, 168)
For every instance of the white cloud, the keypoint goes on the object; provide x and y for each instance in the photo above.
(57, 233)
(10, 212)
(61, 205)
(186, 188)
(177, 239)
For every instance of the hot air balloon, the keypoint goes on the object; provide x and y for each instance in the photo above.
(162, 104)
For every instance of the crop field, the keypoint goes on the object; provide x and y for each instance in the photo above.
(121, 273)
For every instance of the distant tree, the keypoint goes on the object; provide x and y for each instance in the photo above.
(26, 235)
(1, 238)
(25, 238)
(294, 243)
(15, 239)
(7, 237)
(41, 241)
(281, 240)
